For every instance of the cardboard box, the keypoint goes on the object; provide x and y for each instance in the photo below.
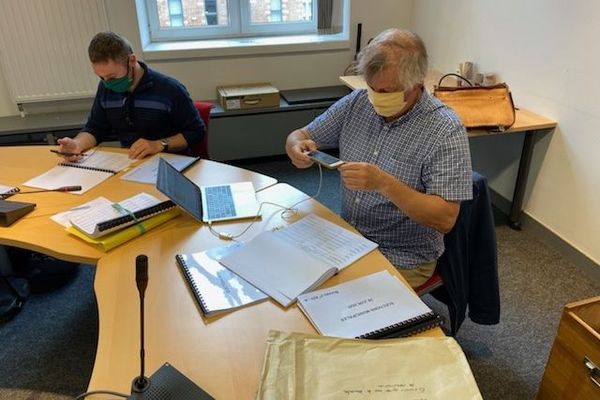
(248, 96)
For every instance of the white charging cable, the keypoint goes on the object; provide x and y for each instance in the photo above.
(286, 214)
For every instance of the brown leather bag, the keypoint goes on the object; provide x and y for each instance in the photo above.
(488, 107)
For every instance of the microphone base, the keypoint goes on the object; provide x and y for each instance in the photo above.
(140, 384)
(168, 383)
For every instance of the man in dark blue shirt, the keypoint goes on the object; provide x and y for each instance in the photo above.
(149, 112)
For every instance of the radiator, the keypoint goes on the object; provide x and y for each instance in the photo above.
(43, 48)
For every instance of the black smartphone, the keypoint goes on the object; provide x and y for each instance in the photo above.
(326, 160)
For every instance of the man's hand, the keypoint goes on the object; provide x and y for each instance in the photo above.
(69, 145)
(142, 148)
(297, 145)
(363, 176)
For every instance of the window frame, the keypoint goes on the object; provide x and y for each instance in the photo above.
(239, 25)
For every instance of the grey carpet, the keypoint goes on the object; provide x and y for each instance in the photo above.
(48, 350)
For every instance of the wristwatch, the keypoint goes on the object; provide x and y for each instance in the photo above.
(165, 144)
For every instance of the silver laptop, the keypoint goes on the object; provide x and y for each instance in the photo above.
(207, 203)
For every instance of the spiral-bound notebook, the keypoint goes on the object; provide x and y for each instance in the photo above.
(89, 172)
(111, 217)
(215, 288)
(7, 191)
(370, 307)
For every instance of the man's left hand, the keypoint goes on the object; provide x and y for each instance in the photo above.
(362, 176)
(142, 148)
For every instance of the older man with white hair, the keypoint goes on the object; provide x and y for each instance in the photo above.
(407, 162)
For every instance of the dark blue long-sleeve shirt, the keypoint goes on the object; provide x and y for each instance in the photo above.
(159, 107)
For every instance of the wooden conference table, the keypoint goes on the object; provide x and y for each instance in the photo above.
(526, 122)
(223, 355)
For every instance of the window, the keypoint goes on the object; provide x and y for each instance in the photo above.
(212, 19)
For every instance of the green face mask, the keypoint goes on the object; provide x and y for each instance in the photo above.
(119, 85)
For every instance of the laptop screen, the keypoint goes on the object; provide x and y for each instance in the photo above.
(179, 189)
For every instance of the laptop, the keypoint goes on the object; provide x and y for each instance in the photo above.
(207, 203)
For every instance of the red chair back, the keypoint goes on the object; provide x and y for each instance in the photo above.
(201, 149)
(434, 282)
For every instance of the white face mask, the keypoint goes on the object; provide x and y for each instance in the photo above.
(387, 104)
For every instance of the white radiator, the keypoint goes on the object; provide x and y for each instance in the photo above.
(43, 48)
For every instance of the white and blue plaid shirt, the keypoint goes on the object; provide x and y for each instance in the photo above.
(426, 148)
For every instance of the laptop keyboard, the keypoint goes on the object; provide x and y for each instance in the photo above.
(219, 202)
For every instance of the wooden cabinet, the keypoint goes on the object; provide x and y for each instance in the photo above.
(572, 371)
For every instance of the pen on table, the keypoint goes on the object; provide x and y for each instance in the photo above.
(62, 153)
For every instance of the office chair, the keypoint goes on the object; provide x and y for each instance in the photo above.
(434, 282)
(201, 149)
(466, 274)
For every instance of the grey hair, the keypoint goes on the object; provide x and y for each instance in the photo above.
(398, 49)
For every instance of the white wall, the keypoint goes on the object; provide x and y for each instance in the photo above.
(287, 71)
(547, 52)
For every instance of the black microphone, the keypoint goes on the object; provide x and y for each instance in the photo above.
(358, 37)
(141, 383)
(60, 189)
(167, 382)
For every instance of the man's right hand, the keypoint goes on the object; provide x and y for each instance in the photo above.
(69, 145)
(297, 145)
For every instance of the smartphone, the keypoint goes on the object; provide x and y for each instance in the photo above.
(326, 160)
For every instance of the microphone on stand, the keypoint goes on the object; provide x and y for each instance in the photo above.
(141, 383)
(60, 189)
(167, 382)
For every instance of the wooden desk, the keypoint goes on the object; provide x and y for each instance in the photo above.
(36, 231)
(224, 355)
(526, 122)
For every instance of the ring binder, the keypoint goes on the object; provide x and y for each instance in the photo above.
(374, 306)
(215, 288)
(7, 191)
(66, 164)
(135, 216)
(109, 218)
(407, 328)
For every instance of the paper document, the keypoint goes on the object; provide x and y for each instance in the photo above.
(375, 305)
(215, 287)
(64, 218)
(89, 172)
(88, 221)
(297, 258)
(7, 191)
(301, 366)
(102, 160)
(326, 241)
(148, 170)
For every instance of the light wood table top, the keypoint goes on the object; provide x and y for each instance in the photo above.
(223, 355)
(36, 231)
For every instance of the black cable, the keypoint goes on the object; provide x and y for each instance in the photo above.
(84, 395)
(456, 75)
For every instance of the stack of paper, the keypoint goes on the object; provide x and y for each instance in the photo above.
(113, 239)
(297, 258)
(373, 306)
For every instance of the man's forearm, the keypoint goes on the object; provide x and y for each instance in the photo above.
(177, 143)
(426, 209)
